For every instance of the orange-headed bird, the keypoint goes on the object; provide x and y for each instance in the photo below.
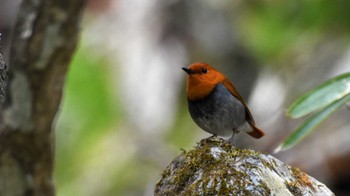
(215, 105)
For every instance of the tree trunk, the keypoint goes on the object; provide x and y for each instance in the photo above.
(45, 36)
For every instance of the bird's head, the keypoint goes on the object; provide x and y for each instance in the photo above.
(201, 80)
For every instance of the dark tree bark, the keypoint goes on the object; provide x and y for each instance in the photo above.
(3, 77)
(45, 37)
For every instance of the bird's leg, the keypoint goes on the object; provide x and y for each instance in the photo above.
(214, 136)
(233, 137)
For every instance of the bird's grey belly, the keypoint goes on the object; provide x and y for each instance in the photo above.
(219, 113)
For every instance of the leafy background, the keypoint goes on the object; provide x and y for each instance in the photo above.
(124, 114)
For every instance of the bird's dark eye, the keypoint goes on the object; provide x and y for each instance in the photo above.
(204, 70)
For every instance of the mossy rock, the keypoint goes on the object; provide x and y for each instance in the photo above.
(215, 167)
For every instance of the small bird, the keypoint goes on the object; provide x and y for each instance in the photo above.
(215, 105)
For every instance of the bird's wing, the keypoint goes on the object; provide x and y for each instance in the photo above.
(256, 133)
(235, 93)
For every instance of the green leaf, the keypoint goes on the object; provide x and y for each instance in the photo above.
(320, 97)
(310, 124)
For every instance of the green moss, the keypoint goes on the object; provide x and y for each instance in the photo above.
(302, 177)
(215, 167)
(293, 188)
(202, 171)
(302, 180)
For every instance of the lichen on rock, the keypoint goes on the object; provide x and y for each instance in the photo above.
(215, 167)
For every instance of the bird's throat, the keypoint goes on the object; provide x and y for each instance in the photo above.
(201, 85)
(199, 91)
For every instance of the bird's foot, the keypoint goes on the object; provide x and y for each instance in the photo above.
(213, 136)
(232, 138)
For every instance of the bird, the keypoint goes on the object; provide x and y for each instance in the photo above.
(215, 105)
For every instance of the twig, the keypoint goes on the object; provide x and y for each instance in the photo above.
(3, 76)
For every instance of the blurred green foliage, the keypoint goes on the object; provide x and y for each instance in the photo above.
(320, 97)
(180, 135)
(92, 137)
(88, 111)
(323, 101)
(92, 115)
(272, 29)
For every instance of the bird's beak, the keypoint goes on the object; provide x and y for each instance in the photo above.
(188, 71)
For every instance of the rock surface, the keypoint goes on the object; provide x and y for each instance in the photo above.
(214, 167)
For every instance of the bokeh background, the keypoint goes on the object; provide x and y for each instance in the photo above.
(124, 113)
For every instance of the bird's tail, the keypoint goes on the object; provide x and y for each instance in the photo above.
(256, 133)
